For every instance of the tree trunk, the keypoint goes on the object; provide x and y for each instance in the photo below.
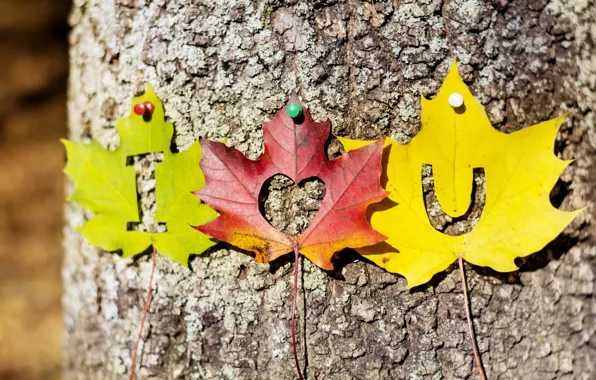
(222, 67)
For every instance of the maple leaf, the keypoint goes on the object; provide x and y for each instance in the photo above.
(520, 168)
(296, 150)
(107, 187)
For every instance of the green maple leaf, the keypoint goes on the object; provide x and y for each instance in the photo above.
(107, 187)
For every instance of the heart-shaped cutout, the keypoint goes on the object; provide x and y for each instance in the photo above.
(290, 207)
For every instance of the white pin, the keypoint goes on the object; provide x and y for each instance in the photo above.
(456, 100)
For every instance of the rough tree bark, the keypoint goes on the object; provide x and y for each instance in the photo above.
(222, 67)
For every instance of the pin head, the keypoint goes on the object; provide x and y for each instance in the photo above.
(456, 100)
(144, 109)
(294, 110)
(139, 109)
(149, 108)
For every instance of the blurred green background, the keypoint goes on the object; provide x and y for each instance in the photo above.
(33, 75)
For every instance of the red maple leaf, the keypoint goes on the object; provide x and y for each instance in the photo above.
(296, 149)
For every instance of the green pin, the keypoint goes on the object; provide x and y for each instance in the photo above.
(294, 110)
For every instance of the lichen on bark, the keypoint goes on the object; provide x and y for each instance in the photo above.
(222, 67)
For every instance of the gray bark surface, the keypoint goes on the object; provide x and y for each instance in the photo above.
(222, 67)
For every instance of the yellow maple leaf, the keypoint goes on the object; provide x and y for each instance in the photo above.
(520, 168)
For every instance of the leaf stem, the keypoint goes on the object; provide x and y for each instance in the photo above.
(296, 266)
(145, 312)
(469, 317)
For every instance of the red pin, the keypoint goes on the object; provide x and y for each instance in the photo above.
(149, 108)
(140, 109)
